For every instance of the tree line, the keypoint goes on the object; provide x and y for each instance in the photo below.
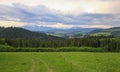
(109, 44)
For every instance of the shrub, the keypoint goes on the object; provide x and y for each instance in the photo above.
(6, 48)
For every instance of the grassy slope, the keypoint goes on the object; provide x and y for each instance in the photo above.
(111, 31)
(59, 62)
(101, 33)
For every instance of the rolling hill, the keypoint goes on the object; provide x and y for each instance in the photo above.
(115, 31)
(69, 32)
(14, 32)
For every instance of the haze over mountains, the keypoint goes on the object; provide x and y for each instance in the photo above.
(51, 29)
(61, 32)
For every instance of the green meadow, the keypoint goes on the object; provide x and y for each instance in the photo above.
(59, 62)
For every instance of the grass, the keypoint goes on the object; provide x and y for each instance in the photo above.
(59, 62)
(58, 34)
(101, 33)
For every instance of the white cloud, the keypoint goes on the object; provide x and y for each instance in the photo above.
(57, 25)
(11, 23)
(96, 26)
(65, 26)
(60, 13)
(72, 6)
(11, 18)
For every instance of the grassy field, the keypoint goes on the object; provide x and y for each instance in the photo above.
(107, 33)
(59, 62)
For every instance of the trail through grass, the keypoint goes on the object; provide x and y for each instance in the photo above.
(48, 68)
(59, 62)
(32, 69)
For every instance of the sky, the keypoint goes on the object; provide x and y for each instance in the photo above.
(60, 13)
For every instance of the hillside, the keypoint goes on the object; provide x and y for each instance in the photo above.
(14, 32)
(115, 31)
(1, 28)
(70, 32)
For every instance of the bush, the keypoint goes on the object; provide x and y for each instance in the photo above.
(79, 49)
(6, 48)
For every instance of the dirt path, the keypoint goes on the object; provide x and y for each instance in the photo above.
(32, 69)
(49, 69)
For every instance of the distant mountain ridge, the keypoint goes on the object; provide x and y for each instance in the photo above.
(50, 29)
(16, 32)
(74, 32)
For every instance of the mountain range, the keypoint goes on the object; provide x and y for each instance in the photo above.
(74, 31)
(50, 29)
(53, 33)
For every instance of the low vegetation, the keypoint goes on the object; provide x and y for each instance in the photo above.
(61, 49)
(59, 62)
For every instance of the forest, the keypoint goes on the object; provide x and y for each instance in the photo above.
(88, 43)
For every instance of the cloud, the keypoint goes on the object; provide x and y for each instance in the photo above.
(65, 26)
(57, 25)
(72, 6)
(42, 15)
(11, 23)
